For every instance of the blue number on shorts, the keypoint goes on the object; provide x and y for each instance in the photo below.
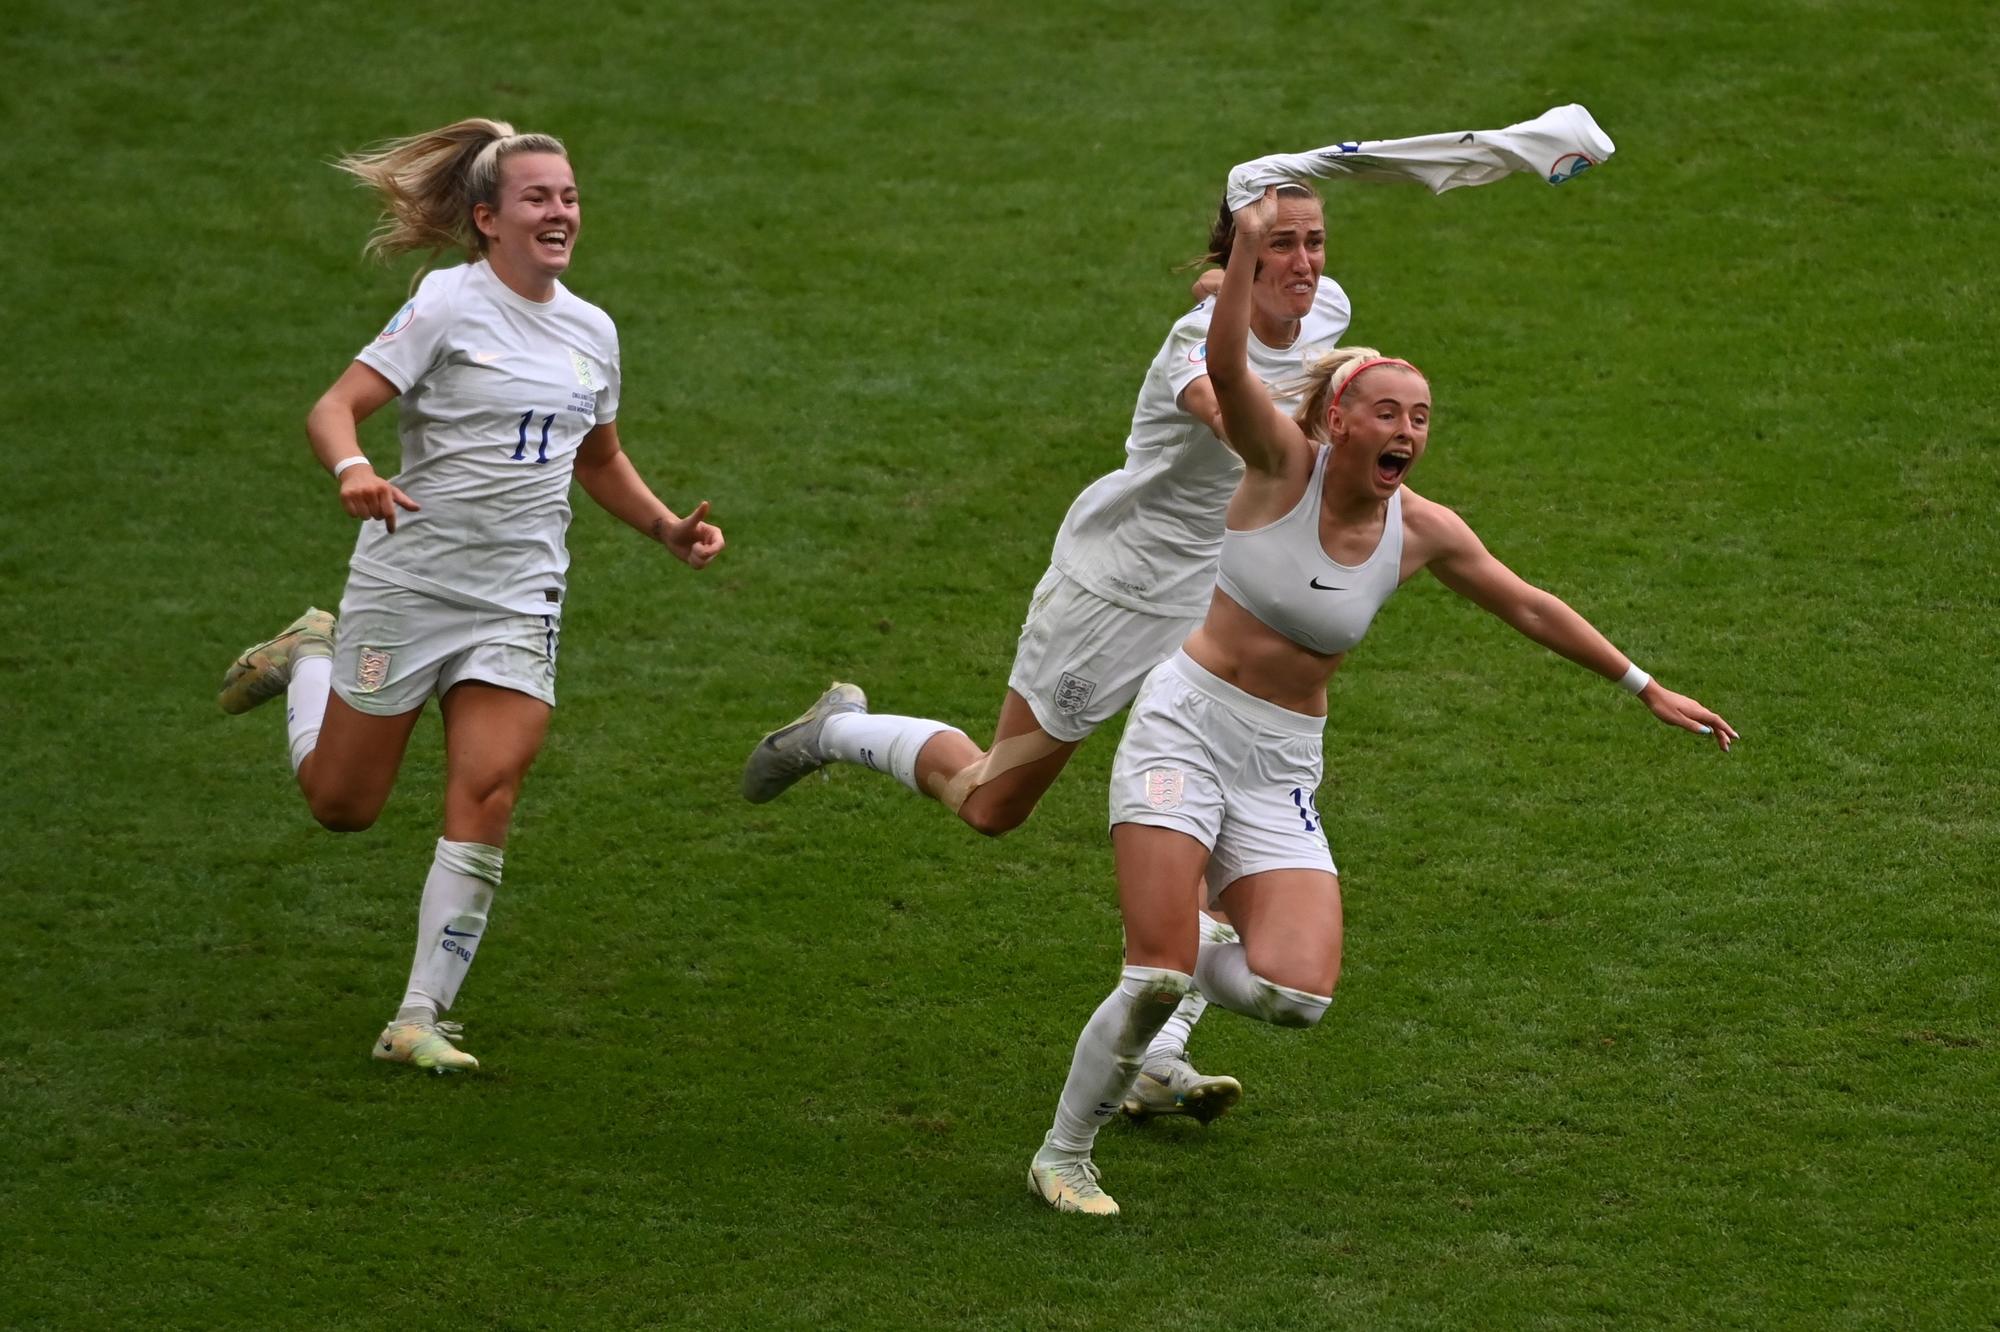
(1303, 799)
(521, 448)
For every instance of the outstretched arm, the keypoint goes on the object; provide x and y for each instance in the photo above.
(609, 478)
(1264, 437)
(1459, 560)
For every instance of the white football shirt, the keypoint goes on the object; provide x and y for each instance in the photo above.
(497, 394)
(1147, 537)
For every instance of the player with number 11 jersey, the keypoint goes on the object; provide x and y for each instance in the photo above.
(496, 393)
(507, 386)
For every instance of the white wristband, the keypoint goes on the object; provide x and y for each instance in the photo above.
(1635, 679)
(358, 460)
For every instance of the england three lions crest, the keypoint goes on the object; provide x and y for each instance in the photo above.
(1072, 693)
(372, 671)
(1164, 787)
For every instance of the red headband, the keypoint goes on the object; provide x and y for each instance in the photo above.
(1370, 365)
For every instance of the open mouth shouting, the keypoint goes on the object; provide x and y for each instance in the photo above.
(1392, 463)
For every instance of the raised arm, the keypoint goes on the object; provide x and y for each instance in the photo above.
(1458, 559)
(1266, 439)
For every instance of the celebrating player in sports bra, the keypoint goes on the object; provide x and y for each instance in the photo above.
(1215, 775)
(509, 389)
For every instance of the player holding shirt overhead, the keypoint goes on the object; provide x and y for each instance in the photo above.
(508, 386)
(1130, 577)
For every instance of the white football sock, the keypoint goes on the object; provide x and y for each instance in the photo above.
(1222, 970)
(305, 704)
(884, 743)
(450, 921)
(1107, 1056)
(1171, 1043)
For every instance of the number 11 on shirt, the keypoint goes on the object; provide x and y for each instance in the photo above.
(521, 449)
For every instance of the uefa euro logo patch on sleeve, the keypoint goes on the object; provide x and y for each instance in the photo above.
(1568, 167)
(398, 321)
(1164, 787)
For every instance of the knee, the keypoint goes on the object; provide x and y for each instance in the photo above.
(339, 806)
(481, 808)
(343, 815)
(994, 811)
(993, 819)
(1161, 951)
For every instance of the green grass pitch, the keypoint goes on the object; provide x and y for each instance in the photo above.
(1630, 1034)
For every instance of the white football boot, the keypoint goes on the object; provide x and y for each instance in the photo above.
(792, 751)
(1174, 1088)
(1070, 1185)
(261, 671)
(425, 1044)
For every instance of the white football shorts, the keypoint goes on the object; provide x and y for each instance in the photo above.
(1232, 771)
(1080, 658)
(393, 648)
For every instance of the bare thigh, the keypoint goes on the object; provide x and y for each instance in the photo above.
(347, 778)
(1004, 803)
(491, 737)
(1289, 920)
(1159, 894)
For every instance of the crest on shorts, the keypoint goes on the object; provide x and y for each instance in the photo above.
(372, 672)
(1072, 693)
(1164, 787)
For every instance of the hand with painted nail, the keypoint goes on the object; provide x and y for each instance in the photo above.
(1687, 713)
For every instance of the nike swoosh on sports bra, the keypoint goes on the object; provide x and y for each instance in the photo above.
(1282, 575)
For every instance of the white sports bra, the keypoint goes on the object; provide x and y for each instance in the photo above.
(1282, 575)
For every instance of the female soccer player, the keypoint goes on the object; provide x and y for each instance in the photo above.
(1215, 774)
(509, 387)
(1130, 577)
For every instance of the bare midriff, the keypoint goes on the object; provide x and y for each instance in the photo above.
(1235, 646)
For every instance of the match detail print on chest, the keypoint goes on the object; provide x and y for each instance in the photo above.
(546, 396)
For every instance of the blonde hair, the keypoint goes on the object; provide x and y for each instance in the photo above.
(1325, 379)
(430, 182)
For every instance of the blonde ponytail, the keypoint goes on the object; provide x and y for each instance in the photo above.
(1324, 378)
(429, 183)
